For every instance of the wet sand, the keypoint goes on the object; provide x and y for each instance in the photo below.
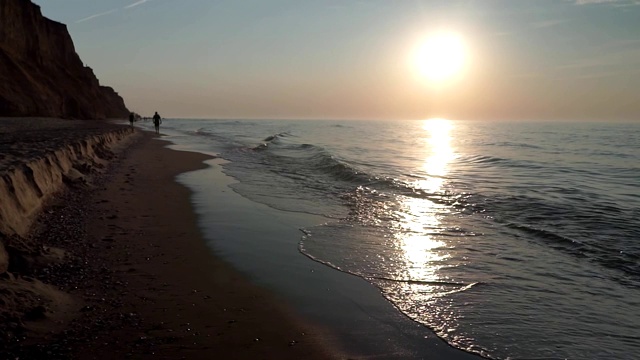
(127, 275)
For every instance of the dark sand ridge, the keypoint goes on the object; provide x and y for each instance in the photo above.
(121, 271)
(38, 155)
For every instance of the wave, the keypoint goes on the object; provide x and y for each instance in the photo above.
(613, 154)
(514, 144)
(275, 137)
(338, 169)
(607, 255)
(422, 282)
(554, 239)
(488, 161)
(315, 163)
(369, 196)
(307, 158)
(457, 287)
(483, 159)
(207, 134)
(271, 139)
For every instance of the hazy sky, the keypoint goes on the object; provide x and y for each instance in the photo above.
(526, 59)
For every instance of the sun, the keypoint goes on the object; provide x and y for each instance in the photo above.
(441, 57)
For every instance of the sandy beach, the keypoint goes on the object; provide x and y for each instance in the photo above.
(122, 272)
(379, 180)
(128, 258)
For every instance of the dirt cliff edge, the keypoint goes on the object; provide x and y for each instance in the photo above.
(42, 75)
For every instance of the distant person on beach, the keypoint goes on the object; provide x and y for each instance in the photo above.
(157, 120)
(131, 119)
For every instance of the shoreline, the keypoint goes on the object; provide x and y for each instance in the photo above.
(263, 243)
(138, 280)
(132, 265)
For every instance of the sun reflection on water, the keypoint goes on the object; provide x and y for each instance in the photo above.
(420, 218)
(440, 154)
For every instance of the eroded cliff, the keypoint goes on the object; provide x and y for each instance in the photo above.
(42, 75)
(41, 160)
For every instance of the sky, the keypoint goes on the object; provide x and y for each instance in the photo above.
(328, 59)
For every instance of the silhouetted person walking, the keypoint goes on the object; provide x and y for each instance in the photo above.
(131, 119)
(157, 120)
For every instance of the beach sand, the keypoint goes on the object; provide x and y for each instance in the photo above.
(123, 272)
(119, 266)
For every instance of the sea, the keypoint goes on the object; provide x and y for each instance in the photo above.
(508, 239)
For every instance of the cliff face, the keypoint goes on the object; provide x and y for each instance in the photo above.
(42, 75)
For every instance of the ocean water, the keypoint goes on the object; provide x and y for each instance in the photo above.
(513, 240)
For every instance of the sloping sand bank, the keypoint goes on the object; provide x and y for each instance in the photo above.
(37, 156)
(40, 158)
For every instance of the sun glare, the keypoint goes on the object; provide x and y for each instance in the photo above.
(441, 57)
